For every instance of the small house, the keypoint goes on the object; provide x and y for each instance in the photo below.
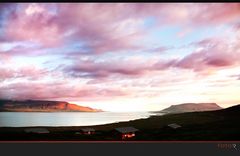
(36, 130)
(126, 132)
(174, 126)
(88, 131)
(77, 133)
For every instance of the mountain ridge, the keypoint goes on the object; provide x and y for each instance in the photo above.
(42, 106)
(190, 107)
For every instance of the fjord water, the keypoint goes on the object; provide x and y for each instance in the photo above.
(29, 119)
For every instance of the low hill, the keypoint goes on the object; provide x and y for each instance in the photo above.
(42, 106)
(191, 107)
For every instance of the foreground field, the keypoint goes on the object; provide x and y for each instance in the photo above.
(196, 126)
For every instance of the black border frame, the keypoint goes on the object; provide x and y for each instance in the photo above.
(96, 148)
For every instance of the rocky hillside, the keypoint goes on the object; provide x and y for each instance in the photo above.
(191, 107)
(42, 106)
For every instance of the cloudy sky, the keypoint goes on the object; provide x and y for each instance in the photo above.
(121, 57)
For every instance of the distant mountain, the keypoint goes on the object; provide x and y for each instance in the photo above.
(190, 107)
(42, 106)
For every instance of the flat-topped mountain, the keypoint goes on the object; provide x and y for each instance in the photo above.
(42, 106)
(191, 107)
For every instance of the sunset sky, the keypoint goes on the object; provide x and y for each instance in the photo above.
(121, 57)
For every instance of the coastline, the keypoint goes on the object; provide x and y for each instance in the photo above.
(209, 125)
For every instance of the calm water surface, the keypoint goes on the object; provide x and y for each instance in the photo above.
(28, 119)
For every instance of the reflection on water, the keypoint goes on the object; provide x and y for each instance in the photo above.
(27, 119)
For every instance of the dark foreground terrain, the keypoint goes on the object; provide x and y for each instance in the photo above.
(196, 126)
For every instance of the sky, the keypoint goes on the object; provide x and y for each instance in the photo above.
(121, 56)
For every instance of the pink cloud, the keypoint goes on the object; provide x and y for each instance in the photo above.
(33, 23)
(219, 62)
(32, 73)
(101, 71)
(210, 58)
(20, 50)
(105, 69)
(56, 90)
(197, 14)
(36, 23)
(5, 74)
(121, 43)
(5, 58)
(216, 13)
(98, 25)
(159, 49)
